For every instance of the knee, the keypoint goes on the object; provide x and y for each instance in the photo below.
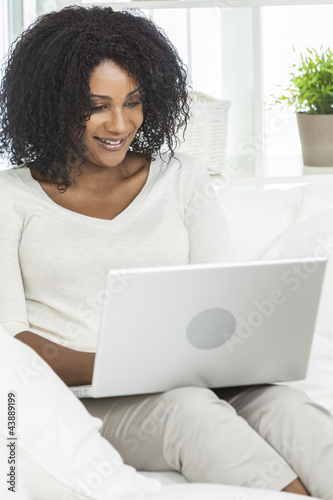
(290, 400)
(186, 397)
(280, 400)
(193, 402)
(286, 397)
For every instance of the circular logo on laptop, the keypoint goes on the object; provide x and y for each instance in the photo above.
(211, 328)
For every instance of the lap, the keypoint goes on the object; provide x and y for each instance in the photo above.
(259, 436)
(156, 432)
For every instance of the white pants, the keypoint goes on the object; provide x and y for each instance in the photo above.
(260, 436)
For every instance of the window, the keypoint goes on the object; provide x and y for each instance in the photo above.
(283, 28)
(238, 52)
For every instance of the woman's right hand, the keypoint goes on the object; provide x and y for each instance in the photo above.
(73, 367)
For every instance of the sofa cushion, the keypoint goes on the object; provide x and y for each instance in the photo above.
(311, 235)
(257, 217)
(58, 448)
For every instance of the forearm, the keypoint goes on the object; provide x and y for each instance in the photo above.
(73, 367)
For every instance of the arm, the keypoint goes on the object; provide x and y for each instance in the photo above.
(73, 367)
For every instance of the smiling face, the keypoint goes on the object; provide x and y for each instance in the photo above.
(116, 115)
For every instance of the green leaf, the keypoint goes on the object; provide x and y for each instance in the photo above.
(310, 87)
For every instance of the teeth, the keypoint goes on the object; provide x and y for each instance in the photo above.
(112, 143)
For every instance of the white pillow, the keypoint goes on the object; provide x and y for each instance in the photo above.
(256, 217)
(312, 235)
(58, 453)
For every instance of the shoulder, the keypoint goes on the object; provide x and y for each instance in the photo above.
(14, 189)
(182, 176)
(179, 159)
(185, 166)
(12, 178)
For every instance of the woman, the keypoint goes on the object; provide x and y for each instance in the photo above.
(90, 99)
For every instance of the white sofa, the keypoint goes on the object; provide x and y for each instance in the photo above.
(60, 453)
(268, 221)
(271, 222)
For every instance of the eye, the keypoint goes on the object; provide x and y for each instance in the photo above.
(133, 104)
(95, 109)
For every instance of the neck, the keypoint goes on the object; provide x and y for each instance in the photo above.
(98, 179)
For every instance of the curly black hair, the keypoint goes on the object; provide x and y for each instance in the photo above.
(45, 94)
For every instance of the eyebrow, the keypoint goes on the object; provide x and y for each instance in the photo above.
(109, 98)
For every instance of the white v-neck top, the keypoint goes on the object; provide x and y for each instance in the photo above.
(53, 261)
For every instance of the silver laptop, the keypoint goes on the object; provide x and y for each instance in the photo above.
(211, 325)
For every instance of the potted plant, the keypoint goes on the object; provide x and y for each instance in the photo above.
(310, 93)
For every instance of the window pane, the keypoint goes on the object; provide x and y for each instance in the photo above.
(173, 22)
(285, 27)
(206, 51)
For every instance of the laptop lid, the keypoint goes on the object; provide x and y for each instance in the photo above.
(210, 325)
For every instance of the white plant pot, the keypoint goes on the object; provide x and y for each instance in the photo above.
(316, 135)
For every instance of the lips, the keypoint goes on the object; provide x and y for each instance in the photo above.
(110, 144)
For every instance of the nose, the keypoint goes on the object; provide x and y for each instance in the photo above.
(116, 121)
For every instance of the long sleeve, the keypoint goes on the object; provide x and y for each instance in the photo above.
(13, 314)
(205, 222)
(53, 262)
